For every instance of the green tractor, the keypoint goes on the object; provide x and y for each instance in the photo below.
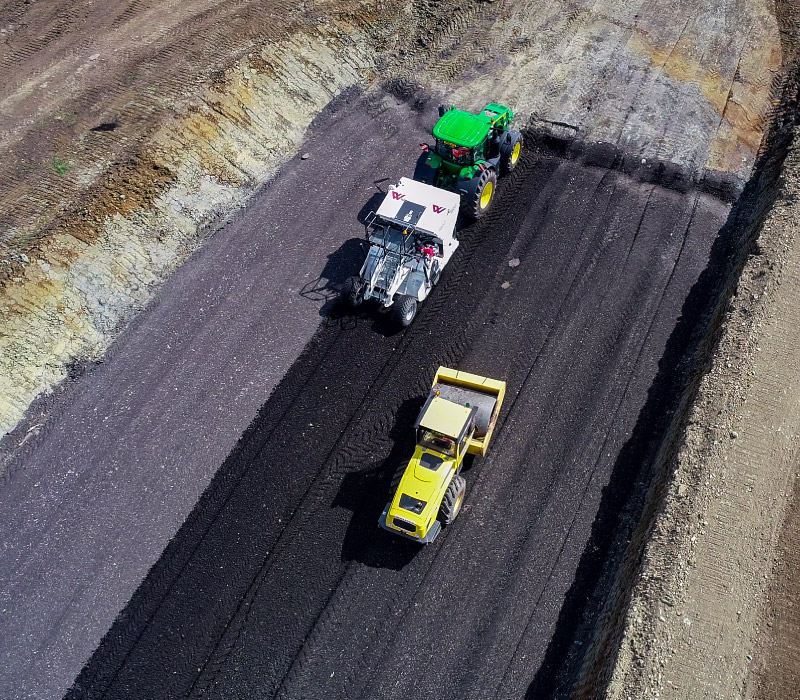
(471, 151)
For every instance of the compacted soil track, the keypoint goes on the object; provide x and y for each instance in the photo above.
(280, 584)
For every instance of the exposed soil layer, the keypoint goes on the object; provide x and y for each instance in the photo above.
(699, 559)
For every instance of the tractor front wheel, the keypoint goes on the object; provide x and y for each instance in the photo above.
(510, 151)
(353, 292)
(453, 500)
(479, 195)
(403, 310)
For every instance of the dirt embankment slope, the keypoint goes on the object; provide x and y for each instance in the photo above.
(128, 128)
(696, 618)
(712, 579)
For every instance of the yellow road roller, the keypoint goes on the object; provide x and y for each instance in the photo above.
(457, 419)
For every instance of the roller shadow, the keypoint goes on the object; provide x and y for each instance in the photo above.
(365, 493)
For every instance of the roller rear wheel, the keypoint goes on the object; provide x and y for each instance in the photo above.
(403, 310)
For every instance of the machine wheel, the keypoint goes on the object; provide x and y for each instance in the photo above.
(424, 172)
(510, 151)
(353, 292)
(480, 194)
(404, 309)
(453, 500)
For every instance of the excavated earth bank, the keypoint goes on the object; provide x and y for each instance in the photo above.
(702, 598)
(712, 611)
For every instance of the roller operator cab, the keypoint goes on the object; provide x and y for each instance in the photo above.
(457, 419)
(469, 153)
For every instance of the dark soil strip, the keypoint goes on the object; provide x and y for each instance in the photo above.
(280, 583)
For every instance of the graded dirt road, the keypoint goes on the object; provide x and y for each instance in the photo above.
(83, 541)
(280, 584)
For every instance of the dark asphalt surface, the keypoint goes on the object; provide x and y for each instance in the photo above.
(280, 583)
(88, 506)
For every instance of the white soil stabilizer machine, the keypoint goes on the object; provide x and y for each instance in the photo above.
(411, 238)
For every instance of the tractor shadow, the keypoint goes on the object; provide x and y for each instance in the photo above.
(372, 203)
(340, 264)
(365, 493)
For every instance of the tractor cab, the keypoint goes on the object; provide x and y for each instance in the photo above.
(446, 428)
(466, 139)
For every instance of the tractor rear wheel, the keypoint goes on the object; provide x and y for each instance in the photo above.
(353, 292)
(510, 151)
(453, 500)
(424, 172)
(479, 194)
(404, 309)
(436, 273)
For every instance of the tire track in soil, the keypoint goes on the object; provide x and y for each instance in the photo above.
(481, 657)
(313, 595)
(402, 589)
(348, 694)
(497, 220)
(373, 435)
(370, 345)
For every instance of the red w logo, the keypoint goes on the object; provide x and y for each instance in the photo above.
(397, 195)
(437, 209)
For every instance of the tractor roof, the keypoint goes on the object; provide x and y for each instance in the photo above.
(424, 207)
(445, 417)
(462, 128)
(467, 129)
